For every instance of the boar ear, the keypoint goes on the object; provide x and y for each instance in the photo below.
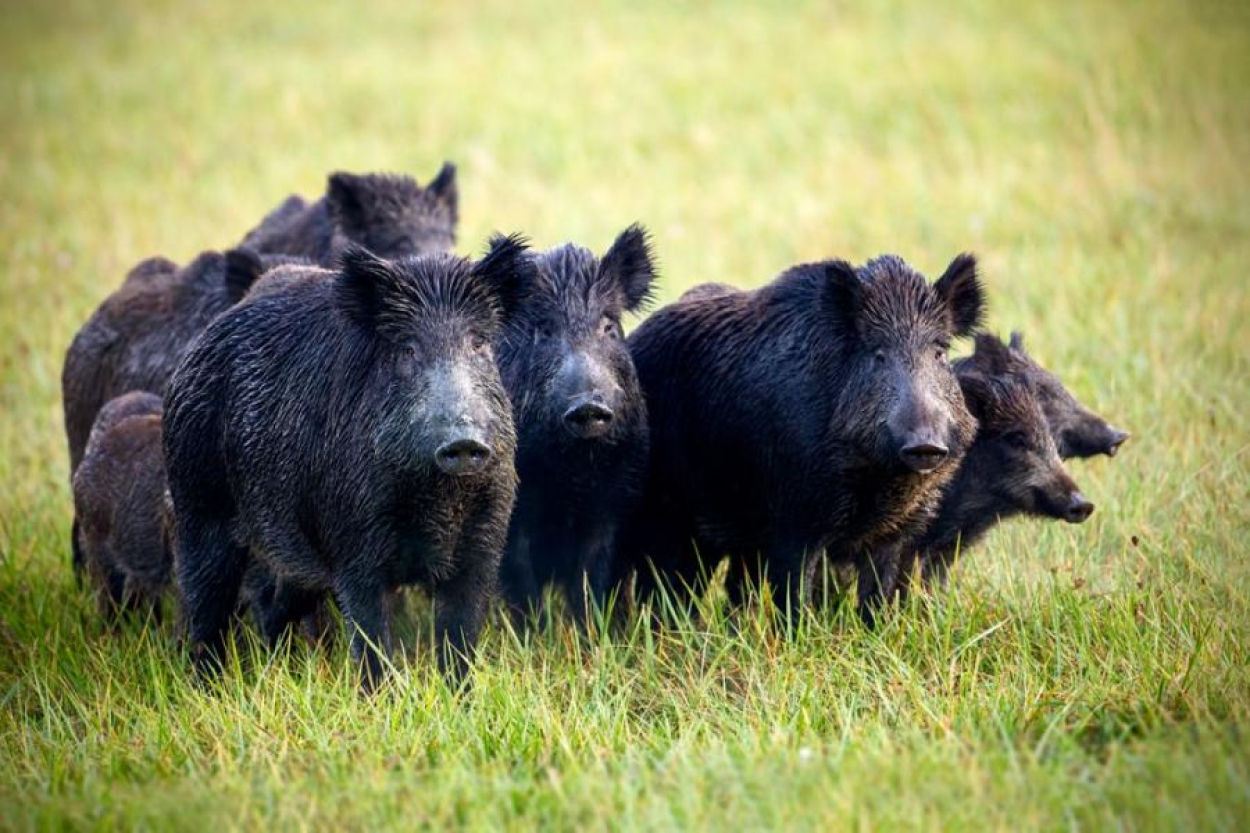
(443, 186)
(961, 291)
(507, 269)
(991, 355)
(243, 267)
(345, 195)
(1017, 341)
(630, 264)
(364, 284)
(979, 394)
(843, 292)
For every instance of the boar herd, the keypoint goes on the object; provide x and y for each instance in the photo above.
(339, 407)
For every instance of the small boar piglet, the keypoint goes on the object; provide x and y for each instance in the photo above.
(119, 494)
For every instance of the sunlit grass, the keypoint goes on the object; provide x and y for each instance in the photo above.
(1092, 154)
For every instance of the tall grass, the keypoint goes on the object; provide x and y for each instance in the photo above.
(1094, 155)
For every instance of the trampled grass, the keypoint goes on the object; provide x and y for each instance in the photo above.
(1094, 155)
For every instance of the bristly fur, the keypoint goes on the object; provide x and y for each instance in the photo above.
(390, 295)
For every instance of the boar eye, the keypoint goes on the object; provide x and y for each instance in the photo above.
(1017, 439)
(608, 326)
(478, 344)
(879, 357)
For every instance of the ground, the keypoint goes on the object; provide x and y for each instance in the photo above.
(1092, 153)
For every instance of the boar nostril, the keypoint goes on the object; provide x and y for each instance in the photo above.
(1118, 438)
(588, 419)
(461, 457)
(1078, 509)
(923, 457)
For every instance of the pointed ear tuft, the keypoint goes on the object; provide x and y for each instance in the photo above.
(843, 293)
(507, 269)
(443, 185)
(363, 282)
(960, 289)
(630, 263)
(990, 355)
(979, 394)
(345, 196)
(1017, 341)
(243, 267)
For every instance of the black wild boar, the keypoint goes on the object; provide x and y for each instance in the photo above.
(1078, 431)
(353, 435)
(389, 214)
(581, 422)
(819, 410)
(135, 337)
(119, 490)
(1012, 468)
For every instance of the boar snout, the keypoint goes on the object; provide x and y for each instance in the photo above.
(588, 417)
(463, 456)
(1116, 439)
(589, 393)
(1062, 499)
(1078, 509)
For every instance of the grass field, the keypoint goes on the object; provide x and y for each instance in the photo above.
(1093, 153)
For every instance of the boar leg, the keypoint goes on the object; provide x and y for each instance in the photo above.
(935, 569)
(586, 586)
(524, 596)
(460, 606)
(77, 559)
(362, 599)
(288, 605)
(786, 569)
(878, 580)
(210, 574)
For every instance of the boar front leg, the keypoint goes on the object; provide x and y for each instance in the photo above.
(460, 607)
(363, 600)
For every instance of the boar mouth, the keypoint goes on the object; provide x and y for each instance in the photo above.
(923, 458)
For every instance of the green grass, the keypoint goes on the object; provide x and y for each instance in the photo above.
(1094, 154)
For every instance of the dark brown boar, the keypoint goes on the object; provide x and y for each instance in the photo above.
(119, 493)
(389, 214)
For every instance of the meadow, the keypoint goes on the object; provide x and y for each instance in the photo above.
(1094, 154)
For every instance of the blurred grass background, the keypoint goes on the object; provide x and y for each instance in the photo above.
(1094, 154)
